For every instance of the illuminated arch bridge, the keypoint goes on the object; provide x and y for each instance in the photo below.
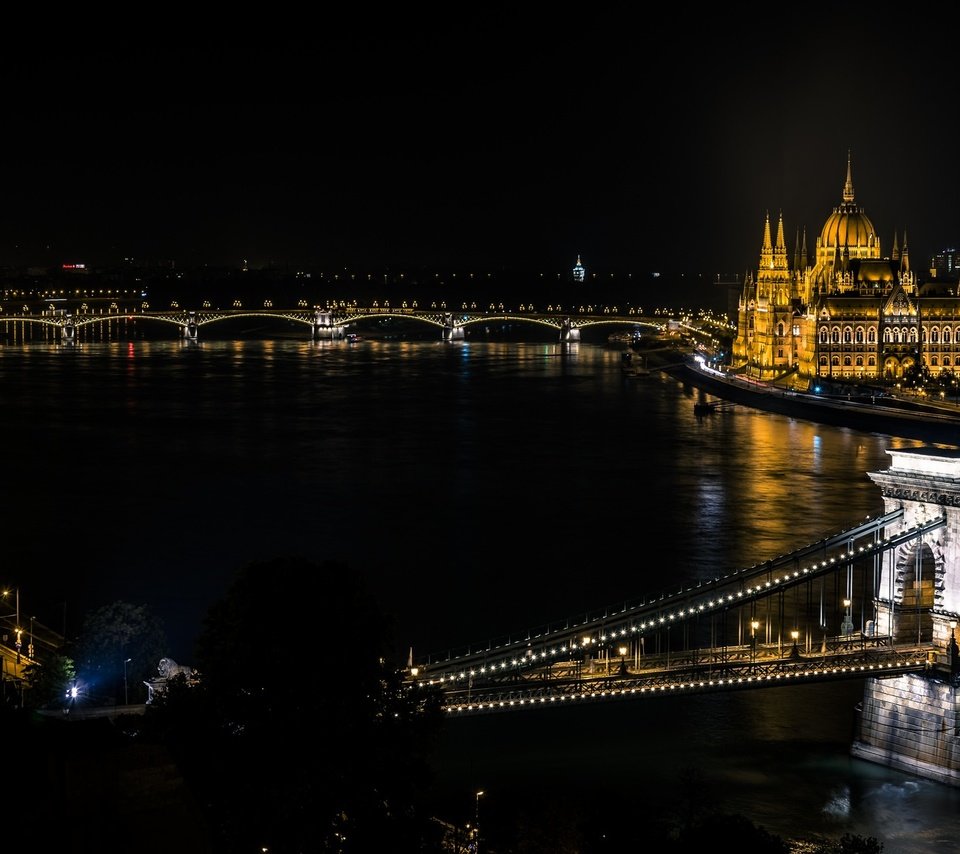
(332, 324)
(879, 599)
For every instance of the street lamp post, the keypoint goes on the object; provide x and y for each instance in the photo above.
(126, 696)
(754, 625)
(846, 627)
(17, 631)
(623, 661)
(795, 651)
(954, 650)
(476, 823)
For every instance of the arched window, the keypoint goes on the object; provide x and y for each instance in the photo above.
(946, 334)
(835, 361)
(934, 335)
(933, 361)
(859, 361)
(913, 334)
(923, 335)
(836, 335)
(823, 361)
(859, 336)
(872, 335)
(847, 335)
(846, 361)
(823, 334)
(946, 361)
(887, 335)
(780, 329)
(872, 362)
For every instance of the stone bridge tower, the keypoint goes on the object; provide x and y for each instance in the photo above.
(918, 596)
(912, 722)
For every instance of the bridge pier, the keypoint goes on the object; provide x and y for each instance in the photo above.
(324, 328)
(912, 722)
(568, 332)
(190, 328)
(451, 332)
(69, 330)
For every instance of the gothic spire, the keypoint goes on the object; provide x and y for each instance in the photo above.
(848, 186)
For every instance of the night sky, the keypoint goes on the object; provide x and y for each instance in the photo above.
(488, 142)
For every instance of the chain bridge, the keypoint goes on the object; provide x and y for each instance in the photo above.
(876, 601)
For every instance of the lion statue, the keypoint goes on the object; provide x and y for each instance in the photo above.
(168, 668)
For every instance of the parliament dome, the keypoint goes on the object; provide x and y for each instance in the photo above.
(848, 225)
(848, 228)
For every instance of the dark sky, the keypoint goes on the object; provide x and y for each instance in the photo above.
(486, 141)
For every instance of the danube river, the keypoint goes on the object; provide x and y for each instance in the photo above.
(481, 487)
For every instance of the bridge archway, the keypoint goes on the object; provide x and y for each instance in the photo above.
(918, 594)
(918, 572)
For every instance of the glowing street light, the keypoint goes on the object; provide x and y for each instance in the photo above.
(795, 652)
(754, 625)
(846, 627)
(476, 823)
(623, 660)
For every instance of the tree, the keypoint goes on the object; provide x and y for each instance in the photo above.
(704, 834)
(48, 682)
(850, 844)
(110, 636)
(916, 375)
(300, 733)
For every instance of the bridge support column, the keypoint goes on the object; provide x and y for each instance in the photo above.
(451, 332)
(911, 722)
(324, 328)
(68, 331)
(568, 332)
(918, 593)
(190, 328)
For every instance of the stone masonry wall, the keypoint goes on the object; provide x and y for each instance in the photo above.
(911, 723)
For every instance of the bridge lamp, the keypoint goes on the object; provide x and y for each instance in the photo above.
(795, 652)
(847, 626)
(754, 625)
(476, 823)
(623, 660)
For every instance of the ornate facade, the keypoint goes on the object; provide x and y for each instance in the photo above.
(852, 314)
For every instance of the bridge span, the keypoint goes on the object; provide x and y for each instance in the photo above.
(877, 601)
(332, 323)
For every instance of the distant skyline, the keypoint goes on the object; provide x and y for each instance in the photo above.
(487, 145)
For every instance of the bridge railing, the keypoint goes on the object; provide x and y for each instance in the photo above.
(597, 618)
(878, 659)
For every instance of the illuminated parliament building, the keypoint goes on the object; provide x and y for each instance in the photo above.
(849, 313)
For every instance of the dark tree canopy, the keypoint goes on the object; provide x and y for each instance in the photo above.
(299, 733)
(110, 636)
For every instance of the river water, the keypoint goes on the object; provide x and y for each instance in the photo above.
(481, 487)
